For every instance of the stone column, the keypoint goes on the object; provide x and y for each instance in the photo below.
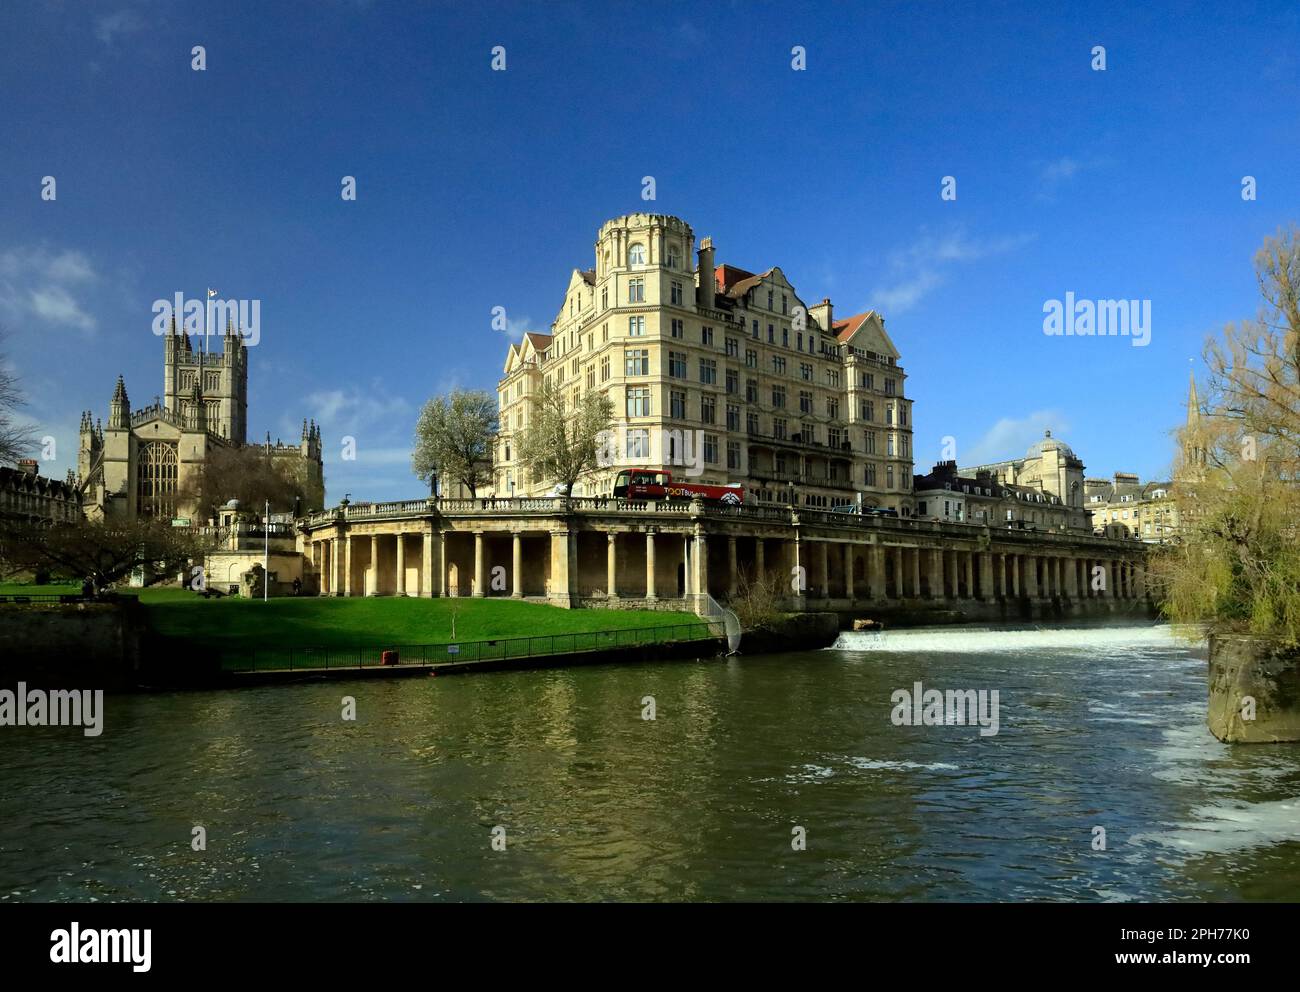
(732, 565)
(478, 565)
(701, 569)
(937, 584)
(347, 565)
(876, 572)
(561, 568)
(1114, 579)
(426, 561)
(401, 564)
(848, 571)
(824, 567)
(444, 536)
(372, 567)
(916, 572)
(1139, 582)
(611, 564)
(969, 556)
(1072, 578)
(760, 567)
(650, 566)
(517, 565)
(987, 592)
(1017, 571)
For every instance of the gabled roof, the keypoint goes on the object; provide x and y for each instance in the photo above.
(866, 332)
(588, 276)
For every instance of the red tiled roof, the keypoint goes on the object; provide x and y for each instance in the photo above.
(727, 276)
(540, 341)
(848, 326)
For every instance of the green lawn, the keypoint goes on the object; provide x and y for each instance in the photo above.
(27, 589)
(316, 632)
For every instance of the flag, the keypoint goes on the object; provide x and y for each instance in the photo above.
(211, 293)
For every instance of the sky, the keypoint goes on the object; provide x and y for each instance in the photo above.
(478, 188)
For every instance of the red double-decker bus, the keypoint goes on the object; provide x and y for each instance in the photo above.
(650, 483)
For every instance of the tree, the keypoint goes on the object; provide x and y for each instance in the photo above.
(102, 551)
(1236, 565)
(248, 474)
(15, 439)
(454, 437)
(561, 443)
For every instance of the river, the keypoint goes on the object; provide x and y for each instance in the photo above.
(1098, 727)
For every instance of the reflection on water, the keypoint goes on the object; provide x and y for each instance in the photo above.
(1104, 727)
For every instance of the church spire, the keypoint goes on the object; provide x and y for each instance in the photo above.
(1193, 403)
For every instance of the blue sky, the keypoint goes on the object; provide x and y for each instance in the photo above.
(478, 189)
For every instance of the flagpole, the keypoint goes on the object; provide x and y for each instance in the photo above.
(266, 554)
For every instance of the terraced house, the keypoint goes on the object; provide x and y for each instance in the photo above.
(719, 374)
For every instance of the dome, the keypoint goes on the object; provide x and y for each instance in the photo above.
(232, 505)
(1048, 443)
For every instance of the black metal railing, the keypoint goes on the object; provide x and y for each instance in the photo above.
(456, 653)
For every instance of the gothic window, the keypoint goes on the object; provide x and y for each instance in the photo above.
(156, 480)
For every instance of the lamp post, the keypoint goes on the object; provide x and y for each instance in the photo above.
(266, 552)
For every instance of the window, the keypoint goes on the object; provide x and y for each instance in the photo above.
(678, 329)
(636, 255)
(868, 381)
(805, 372)
(733, 417)
(778, 365)
(800, 348)
(591, 377)
(889, 476)
(751, 423)
(869, 475)
(785, 337)
(156, 480)
(709, 371)
(805, 401)
(636, 327)
(677, 364)
(636, 290)
(638, 361)
(771, 334)
(833, 378)
(889, 416)
(733, 346)
(672, 256)
(706, 335)
(733, 454)
(677, 400)
(711, 449)
(638, 444)
(868, 410)
(808, 433)
(834, 436)
(638, 401)
(889, 445)
(754, 333)
(709, 409)
(769, 300)
(604, 298)
(676, 293)
(751, 358)
(920, 508)
(733, 381)
(604, 369)
(751, 390)
(833, 409)
(779, 428)
(869, 442)
(785, 303)
(778, 397)
(889, 387)
(902, 415)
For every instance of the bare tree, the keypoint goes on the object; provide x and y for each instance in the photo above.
(248, 474)
(99, 551)
(561, 440)
(454, 437)
(16, 439)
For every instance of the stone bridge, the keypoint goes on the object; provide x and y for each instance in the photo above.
(598, 552)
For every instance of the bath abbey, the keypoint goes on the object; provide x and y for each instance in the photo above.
(146, 462)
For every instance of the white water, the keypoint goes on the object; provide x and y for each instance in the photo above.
(967, 640)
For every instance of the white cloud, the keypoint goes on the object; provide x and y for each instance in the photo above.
(119, 23)
(1061, 171)
(921, 267)
(1010, 437)
(516, 329)
(37, 284)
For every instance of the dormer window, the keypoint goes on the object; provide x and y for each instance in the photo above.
(636, 255)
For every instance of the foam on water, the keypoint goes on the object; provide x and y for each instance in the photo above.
(967, 640)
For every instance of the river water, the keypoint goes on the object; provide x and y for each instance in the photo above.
(1098, 727)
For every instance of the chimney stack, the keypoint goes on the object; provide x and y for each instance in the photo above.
(707, 287)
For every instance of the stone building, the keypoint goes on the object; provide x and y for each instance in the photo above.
(1046, 486)
(718, 374)
(28, 496)
(983, 499)
(1123, 507)
(145, 461)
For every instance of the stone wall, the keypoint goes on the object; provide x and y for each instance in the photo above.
(1253, 674)
(81, 645)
